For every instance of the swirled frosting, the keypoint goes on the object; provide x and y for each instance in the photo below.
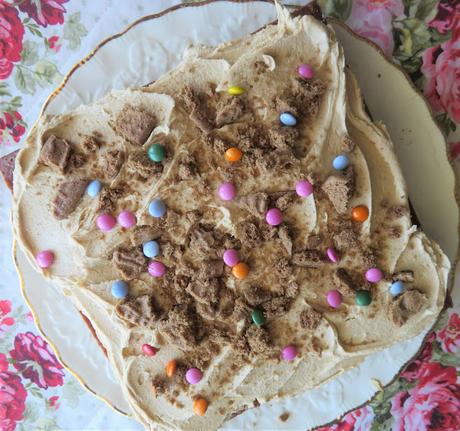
(199, 313)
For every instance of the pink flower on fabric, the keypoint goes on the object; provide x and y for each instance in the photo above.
(413, 370)
(431, 405)
(44, 12)
(53, 402)
(3, 362)
(360, 419)
(53, 43)
(373, 20)
(11, 124)
(35, 360)
(5, 321)
(12, 400)
(448, 16)
(11, 35)
(449, 336)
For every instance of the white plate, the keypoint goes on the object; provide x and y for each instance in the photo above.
(154, 45)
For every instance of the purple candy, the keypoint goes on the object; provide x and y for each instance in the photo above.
(289, 353)
(156, 269)
(231, 257)
(45, 258)
(105, 222)
(332, 255)
(334, 298)
(304, 188)
(305, 71)
(127, 219)
(193, 376)
(227, 191)
(374, 275)
(274, 217)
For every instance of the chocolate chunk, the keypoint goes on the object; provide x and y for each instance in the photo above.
(283, 137)
(202, 241)
(130, 262)
(229, 109)
(285, 200)
(406, 276)
(77, 160)
(113, 161)
(310, 319)
(258, 339)
(91, 144)
(204, 291)
(406, 305)
(134, 124)
(241, 310)
(250, 234)
(140, 164)
(140, 311)
(171, 251)
(255, 203)
(307, 93)
(187, 168)
(158, 386)
(283, 268)
(343, 282)
(141, 234)
(7, 168)
(346, 238)
(339, 189)
(308, 259)
(276, 307)
(211, 269)
(108, 198)
(252, 136)
(197, 110)
(291, 290)
(255, 295)
(55, 153)
(347, 145)
(314, 240)
(67, 197)
(285, 238)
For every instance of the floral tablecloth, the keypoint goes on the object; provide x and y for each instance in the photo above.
(41, 39)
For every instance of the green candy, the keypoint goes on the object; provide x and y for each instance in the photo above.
(363, 298)
(156, 152)
(258, 317)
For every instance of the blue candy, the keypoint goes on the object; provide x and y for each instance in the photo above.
(151, 249)
(93, 189)
(397, 288)
(288, 119)
(157, 208)
(340, 162)
(119, 289)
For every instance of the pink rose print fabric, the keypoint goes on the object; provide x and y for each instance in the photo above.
(11, 35)
(44, 12)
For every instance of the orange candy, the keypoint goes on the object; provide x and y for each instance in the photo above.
(360, 213)
(240, 270)
(171, 367)
(233, 154)
(200, 405)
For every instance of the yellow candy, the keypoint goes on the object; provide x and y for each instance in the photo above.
(235, 90)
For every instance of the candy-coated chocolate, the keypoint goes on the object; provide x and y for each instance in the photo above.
(304, 188)
(274, 217)
(157, 208)
(233, 154)
(289, 353)
(360, 213)
(374, 275)
(156, 269)
(150, 249)
(235, 90)
(334, 298)
(93, 189)
(44, 258)
(332, 255)
(287, 119)
(193, 376)
(240, 270)
(171, 368)
(340, 162)
(149, 350)
(156, 152)
(397, 288)
(363, 298)
(105, 222)
(127, 219)
(231, 257)
(120, 289)
(227, 191)
(258, 317)
(305, 71)
(200, 405)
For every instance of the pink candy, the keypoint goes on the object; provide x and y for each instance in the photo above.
(44, 258)
(374, 275)
(193, 376)
(304, 188)
(156, 269)
(149, 350)
(334, 298)
(289, 353)
(274, 217)
(231, 257)
(305, 71)
(105, 222)
(332, 255)
(127, 219)
(227, 191)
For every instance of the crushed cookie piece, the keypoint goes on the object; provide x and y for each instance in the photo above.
(347, 145)
(91, 144)
(249, 234)
(283, 268)
(339, 188)
(260, 66)
(309, 259)
(241, 310)
(114, 160)
(130, 262)
(251, 136)
(314, 240)
(276, 307)
(285, 200)
(310, 318)
(396, 211)
(255, 203)
(69, 194)
(197, 110)
(77, 160)
(406, 276)
(284, 416)
(255, 295)
(229, 109)
(283, 137)
(187, 168)
(291, 290)
(140, 310)
(346, 238)
(394, 232)
(409, 303)
(343, 281)
(204, 291)
(307, 93)
(211, 269)
(193, 216)
(258, 339)
(202, 241)
(139, 163)
(134, 124)
(141, 234)
(285, 238)
(55, 153)
(158, 386)
(108, 198)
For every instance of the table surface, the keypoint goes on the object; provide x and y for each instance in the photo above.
(38, 45)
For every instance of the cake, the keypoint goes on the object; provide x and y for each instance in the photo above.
(236, 232)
